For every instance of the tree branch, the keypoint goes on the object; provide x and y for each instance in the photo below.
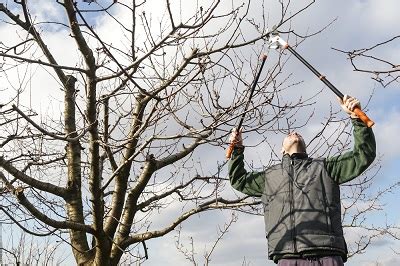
(19, 194)
(44, 186)
(219, 203)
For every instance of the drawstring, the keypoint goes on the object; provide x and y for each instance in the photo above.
(316, 259)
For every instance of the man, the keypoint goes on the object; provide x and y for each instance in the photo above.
(301, 195)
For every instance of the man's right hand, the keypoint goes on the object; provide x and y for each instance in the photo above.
(348, 103)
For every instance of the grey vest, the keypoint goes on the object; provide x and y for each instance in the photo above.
(302, 208)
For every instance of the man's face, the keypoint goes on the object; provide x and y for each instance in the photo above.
(293, 142)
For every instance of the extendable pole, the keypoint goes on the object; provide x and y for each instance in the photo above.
(321, 77)
(232, 144)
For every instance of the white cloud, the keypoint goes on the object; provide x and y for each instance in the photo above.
(382, 16)
(383, 259)
(386, 132)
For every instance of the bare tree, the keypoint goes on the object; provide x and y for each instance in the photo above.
(135, 114)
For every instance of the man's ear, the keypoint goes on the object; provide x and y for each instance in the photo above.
(283, 151)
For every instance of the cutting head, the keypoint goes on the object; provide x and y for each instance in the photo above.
(275, 41)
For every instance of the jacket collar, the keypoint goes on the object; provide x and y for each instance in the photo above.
(302, 155)
(294, 156)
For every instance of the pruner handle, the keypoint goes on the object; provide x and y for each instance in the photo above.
(229, 150)
(367, 121)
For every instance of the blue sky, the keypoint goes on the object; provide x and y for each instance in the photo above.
(357, 24)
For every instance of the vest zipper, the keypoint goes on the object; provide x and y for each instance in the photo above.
(291, 202)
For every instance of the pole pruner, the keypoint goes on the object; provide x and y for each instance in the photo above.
(253, 86)
(276, 42)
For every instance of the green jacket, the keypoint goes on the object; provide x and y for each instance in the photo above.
(302, 199)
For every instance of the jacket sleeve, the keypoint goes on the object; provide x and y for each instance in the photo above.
(351, 164)
(250, 183)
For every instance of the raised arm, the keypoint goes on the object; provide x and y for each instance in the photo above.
(250, 183)
(349, 165)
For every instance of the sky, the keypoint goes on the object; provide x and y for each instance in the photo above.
(357, 24)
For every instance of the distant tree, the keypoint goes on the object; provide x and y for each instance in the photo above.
(362, 200)
(138, 113)
(24, 249)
